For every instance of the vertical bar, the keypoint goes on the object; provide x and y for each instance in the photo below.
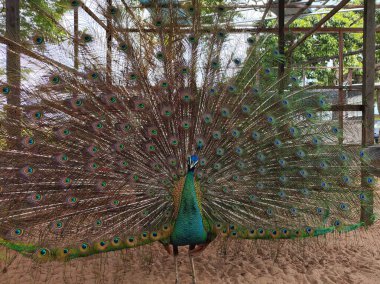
(341, 100)
(13, 72)
(109, 44)
(281, 35)
(368, 98)
(303, 76)
(76, 38)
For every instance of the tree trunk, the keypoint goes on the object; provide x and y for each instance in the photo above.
(13, 71)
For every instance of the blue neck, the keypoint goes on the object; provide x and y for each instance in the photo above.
(188, 228)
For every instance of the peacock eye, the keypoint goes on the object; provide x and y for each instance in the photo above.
(75, 3)
(39, 40)
(159, 55)
(214, 64)
(251, 40)
(158, 23)
(87, 38)
(113, 10)
(237, 61)
(123, 47)
(221, 35)
(55, 80)
(6, 90)
(192, 39)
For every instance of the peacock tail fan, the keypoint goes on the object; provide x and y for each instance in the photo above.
(100, 158)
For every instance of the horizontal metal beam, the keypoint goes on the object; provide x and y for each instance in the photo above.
(258, 6)
(187, 30)
(347, 108)
(346, 88)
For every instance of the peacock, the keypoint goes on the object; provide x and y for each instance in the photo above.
(168, 129)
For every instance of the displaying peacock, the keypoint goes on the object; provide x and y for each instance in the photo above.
(167, 129)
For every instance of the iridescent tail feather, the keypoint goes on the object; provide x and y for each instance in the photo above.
(100, 151)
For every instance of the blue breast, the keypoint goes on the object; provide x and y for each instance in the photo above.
(188, 228)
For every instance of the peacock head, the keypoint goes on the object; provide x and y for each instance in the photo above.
(192, 161)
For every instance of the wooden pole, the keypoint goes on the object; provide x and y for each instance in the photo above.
(13, 72)
(109, 45)
(341, 91)
(281, 35)
(368, 99)
(76, 39)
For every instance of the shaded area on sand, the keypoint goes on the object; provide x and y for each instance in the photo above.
(345, 258)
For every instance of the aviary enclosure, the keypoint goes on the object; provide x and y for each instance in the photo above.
(193, 141)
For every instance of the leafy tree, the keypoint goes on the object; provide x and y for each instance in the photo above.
(37, 15)
(326, 45)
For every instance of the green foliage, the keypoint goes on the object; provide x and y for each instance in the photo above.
(327, 45)
(36, 17)
(324, 45)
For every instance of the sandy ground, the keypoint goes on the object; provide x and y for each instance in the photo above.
(345, 258)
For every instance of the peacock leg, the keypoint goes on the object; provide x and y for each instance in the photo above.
(175, 252)
(198, 250)
(167, 248)
(192, 268)
(191, 248)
